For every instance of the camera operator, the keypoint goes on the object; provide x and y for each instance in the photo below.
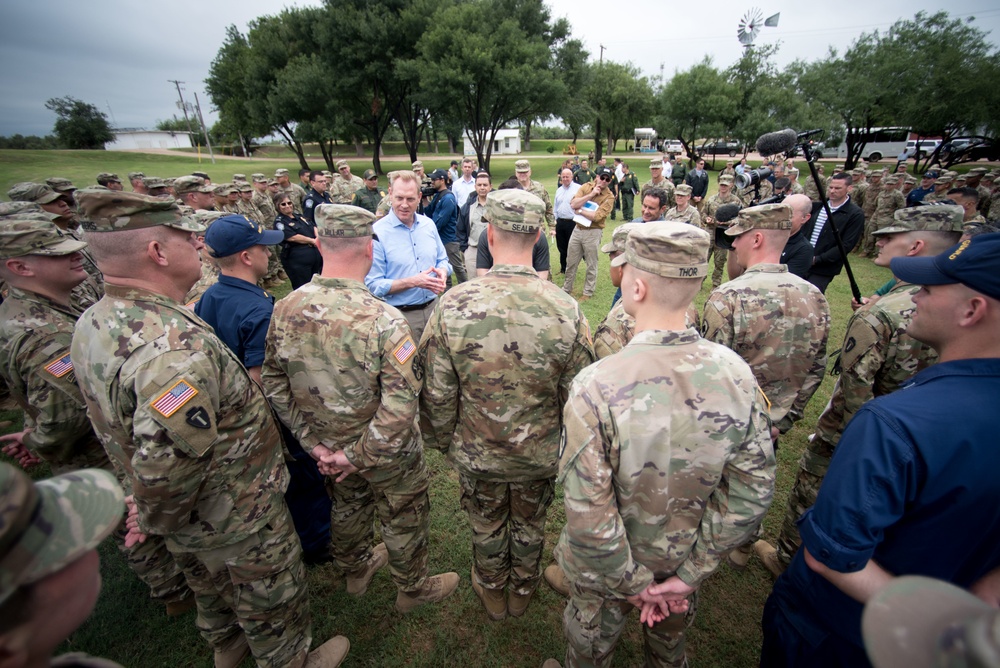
(443, 210)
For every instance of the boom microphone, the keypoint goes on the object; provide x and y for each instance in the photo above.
(777, 142)
(723, 215)
(727, 212)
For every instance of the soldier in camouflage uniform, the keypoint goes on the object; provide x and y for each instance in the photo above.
(712, 204)
(658, 181)
(617, 328)
(868, 203)
(92, 289)
(209, 267)
(178, 413)
(638, 424)
(683, 211)
(343, 186)
(771, 318)
(499, 422)
(338, 371)
(942, 185)
(193, 192)
(809, 187)
(876, 358)
(369, 195)
(37, 319)
(889, 200)
(522, 170)
(266, 214)
(293, 190)
(50, 579)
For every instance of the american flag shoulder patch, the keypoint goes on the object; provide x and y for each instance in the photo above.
(60, 366)
(404, 351)
(179, 394)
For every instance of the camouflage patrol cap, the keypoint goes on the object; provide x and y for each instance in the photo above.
(115, 211)
(49, 524)
(820, 167)
(875, 173)
(726, 180)
(344, 221)
(951, 173)
(257, 177)
(60, 184)
(891, 180)
(340, 164)
(239, 178)
(522, 166)
(989, 176)
(929, 218)
(280, 172)
(135, 175)
(169, 183)
(762, 217)
(912, 180)
(206, 218)
(244, 187)
(203, 175)
(32, 192)
(153, 182)
(21, 209)
(191, 184)
(369, 174)
(942, 180)
(224, 189)
(108, 176)
(667, 248)
(684, 190)
(618, 237)
(515, 211)
(417, 164)
(327, 173)
(19, 237)
(920, 622)
(272, 182)
(656, 163)
(977, 171)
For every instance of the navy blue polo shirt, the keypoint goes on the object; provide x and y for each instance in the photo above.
(913, 486)
(240, 313)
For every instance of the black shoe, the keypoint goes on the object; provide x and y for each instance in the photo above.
(317, 558)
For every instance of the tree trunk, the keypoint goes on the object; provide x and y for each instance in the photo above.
(527, 135)
(598, 142)
(293, 143)
(359, 147)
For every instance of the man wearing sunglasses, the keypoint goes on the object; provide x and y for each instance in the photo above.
(592, 202)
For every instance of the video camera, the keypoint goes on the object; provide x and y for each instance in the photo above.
(428, 191)
(751, 178)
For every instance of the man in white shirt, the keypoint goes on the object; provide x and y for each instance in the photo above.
(462, 187)
(564, 214)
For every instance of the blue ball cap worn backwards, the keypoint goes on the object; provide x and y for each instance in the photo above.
(974, 263)
(231, 234)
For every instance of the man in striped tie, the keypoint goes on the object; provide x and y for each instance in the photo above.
(850, 222)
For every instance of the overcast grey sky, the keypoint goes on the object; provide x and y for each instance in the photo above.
(120, 55)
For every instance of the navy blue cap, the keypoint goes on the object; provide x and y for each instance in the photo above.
(974, 263)
(438, 174)
(231, 234)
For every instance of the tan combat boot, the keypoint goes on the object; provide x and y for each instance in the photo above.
(357, 584)
(556, 579)
(740, 557)
(492, 599)
(232, 657)
(517, 603)
(769, 557)
(551, 663)
(330, 654)
(178, 608)
(436, 588)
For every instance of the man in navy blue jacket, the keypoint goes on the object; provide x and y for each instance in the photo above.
(443, 210)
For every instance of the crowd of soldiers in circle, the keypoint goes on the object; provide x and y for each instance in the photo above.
(226, 441)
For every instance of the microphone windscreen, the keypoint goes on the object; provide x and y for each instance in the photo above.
(776, 142)
(727, 212)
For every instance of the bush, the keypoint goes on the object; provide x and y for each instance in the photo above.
(550, 149)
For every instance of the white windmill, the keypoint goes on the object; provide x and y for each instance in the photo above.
(751, 23)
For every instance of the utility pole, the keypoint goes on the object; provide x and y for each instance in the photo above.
(597, 126)
(208, 140)
(182, 105)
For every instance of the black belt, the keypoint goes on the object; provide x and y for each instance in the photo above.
(415, 307)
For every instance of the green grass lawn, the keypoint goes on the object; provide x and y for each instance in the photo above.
(128, 628)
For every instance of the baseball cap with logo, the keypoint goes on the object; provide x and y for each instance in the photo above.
(928, 218)
(604, 171)
(34, 237)
(667, 248)
(515, 211)
(438, 174)
(344, 221)
(231, 234)
(114, 211)
(49, 524)
(370, 174)
(522, 166)
(974, 263)
(920, 622)
(32, 192)
(762, 217)
(618, 237)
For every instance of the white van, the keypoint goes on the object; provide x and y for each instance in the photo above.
(927, 146)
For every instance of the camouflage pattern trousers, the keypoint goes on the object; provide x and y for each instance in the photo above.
(508, 530)
(592, 625)
(256, 588)
(404, 520)
(720, 255)
(152, 563)
(812, 469)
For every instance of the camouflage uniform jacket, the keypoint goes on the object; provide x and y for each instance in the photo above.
(539, 190)
(342, 190)
(810, 189)
(498, 356)
(690, 215)
(367, 199)
(250, 211)
(178, 413)
(778, 323)
(614, 332)
(665, 185)
(209, 277)
(91, 290)
(338, 371)
(877, 357)
(858, 192)
(666, 463)
(888, 202)
(265, 205)
(35, 335)
(712, 205)
(871, 200)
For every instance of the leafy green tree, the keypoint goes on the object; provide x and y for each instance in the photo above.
(621, 99)
(79, 125)
(700, 102)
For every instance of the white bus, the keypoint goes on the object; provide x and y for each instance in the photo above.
(879, 143)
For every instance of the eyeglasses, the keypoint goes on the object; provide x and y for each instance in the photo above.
(605, 177)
